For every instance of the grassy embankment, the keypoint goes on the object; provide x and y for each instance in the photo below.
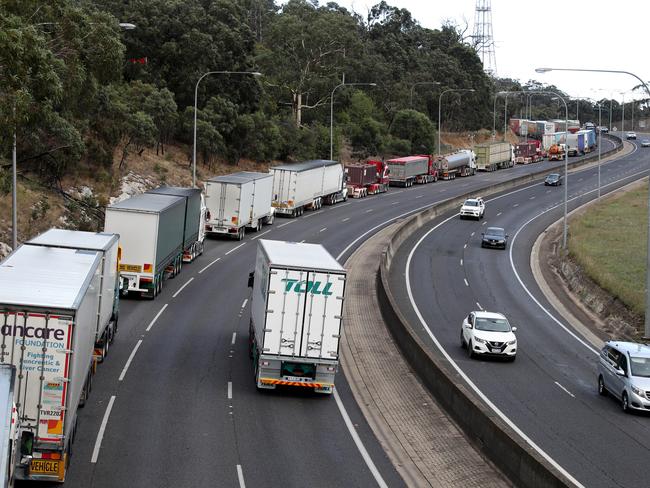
(609, 241)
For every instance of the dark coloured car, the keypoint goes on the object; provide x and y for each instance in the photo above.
(495, 237)
(554, 179)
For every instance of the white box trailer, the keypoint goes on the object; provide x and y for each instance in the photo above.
(48, 314)
(195, 213)
(296, 315)
(307, 185)
(237, 201)
(151, 231)
(108, 246)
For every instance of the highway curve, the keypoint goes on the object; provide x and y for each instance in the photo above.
(174, 404)
(550, 391)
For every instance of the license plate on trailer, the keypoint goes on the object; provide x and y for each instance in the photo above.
(131, 268)
(297, 378)
(45, 466)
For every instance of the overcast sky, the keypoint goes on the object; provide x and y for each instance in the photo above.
(593, 34)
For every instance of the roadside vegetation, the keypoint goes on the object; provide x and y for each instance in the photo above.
(609, 241)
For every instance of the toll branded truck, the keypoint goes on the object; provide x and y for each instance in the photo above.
(48, 313)
(409, 170)
(151, 231)
(108, 247)
(238, 201)
(307, 185)
(296, 315)
(491, 156)
(195, 215)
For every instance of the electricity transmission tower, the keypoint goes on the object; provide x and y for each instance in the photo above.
(483, 38)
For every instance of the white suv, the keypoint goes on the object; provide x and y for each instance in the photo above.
(488, 333)
(624, 371)
(473, 208)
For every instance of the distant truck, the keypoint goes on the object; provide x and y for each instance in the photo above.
(556, 152)
(238, 201)
(195, 215)
(107, 245)
(307, 185)
(151, 229)
(8, 427)
(49, 299)
(491, 156)
(459, 163)
(575, 143)
(365, 179)
(409, 170)
(296, 315)
(527, 152)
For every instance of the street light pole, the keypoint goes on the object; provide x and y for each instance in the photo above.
(332, 111)
(600, 112)
(647, 90)
(420, 83)
(440, 112)
(196, 96)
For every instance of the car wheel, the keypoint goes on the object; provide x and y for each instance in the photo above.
(601, 386)
(470, 349)
(482, 244)
(625, 402)
(462, 340)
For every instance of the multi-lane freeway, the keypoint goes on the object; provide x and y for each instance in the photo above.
(550, 391)
(175, 404)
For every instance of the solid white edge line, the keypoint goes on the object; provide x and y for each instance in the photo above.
(235, 248)
(202, 270)
(102, 428)
(128, 361)
(181, 288)
(240, 477)
(156, 317)
(459, 370)
(234, 338)
(357, 440)
(260, 235)
(230, 390)
(243, 305)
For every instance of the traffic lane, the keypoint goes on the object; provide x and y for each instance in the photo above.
(484, 296)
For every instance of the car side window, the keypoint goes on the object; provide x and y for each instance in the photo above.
(622, 363)
(470, 319)
(613, 355)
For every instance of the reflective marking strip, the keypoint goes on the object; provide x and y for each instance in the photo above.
(235, 248)
(271, 381)
(202, 270)
(156, 317)
(181, 288)
(128, 362)
(102, 428)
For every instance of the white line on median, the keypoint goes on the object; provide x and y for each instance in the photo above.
(156, 317)
(357, 440)
(243, 305)
(260, 235)
(235, 248)
(230, 390)
(102, 428)
(181, 288)
(234, 338)
(202, 270)
(240, 477)
(128, 361)
(567, 391)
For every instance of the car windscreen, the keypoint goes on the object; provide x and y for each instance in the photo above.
(552, 177)
(640, 366)
(495, 231)
(492, 325)
(471, 203)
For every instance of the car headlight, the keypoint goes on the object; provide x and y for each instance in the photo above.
(512, 342)
(637, 390)
(479, 340)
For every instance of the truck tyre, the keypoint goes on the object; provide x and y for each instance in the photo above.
(240, 234)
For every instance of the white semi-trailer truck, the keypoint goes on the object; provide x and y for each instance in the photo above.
(238, 201)
(108, 246)
(296, 315)
(307, 185)
(49, 299)
(195, 215)
(151, 229)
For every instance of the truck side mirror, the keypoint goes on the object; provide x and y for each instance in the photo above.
(251, 279)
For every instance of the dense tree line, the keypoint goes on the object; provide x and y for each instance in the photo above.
(75, 85)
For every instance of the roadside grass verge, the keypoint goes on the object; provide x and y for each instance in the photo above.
(609, 241)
